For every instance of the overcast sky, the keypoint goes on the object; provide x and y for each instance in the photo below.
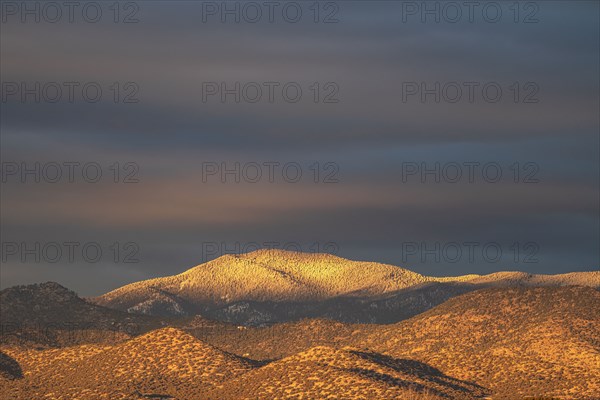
(367, 121)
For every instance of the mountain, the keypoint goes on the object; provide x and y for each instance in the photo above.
(503, 343)
(516, 342)
(271, 286)
(269, 275)
(347, 373)
(277, 341)
(590, 279)
(50, 314)
(388, 308)
(166, 362)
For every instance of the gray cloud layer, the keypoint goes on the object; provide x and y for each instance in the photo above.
(369, 134)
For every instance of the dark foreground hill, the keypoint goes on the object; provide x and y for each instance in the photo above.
(51, 315)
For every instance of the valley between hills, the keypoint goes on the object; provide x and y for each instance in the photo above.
(284, 325)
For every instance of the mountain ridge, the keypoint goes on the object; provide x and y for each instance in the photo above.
(49, 314)
(544, 339)
(507, 342)
(253, 288)
(165, 360)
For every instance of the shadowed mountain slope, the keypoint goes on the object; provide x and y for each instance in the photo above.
(9, 367)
